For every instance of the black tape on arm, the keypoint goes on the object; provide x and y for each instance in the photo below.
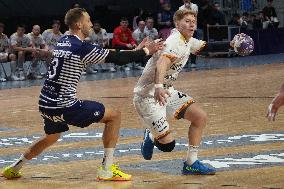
(124, 57)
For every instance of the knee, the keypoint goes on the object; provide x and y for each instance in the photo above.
(200, 119)
(168, 147)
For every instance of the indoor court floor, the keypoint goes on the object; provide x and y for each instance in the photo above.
(246, 149)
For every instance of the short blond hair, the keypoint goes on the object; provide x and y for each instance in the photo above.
(180, 14)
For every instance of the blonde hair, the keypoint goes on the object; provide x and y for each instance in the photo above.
(180, 14)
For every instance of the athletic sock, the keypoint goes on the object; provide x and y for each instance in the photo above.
(192, 154)
(19, 163)
(108, 158)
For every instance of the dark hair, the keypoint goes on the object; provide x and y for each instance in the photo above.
(73, 15)
(123, 19)
(245, 14)
(56, 22)
(96, 22)
(269, 0)
(21, 26)
(149, 18)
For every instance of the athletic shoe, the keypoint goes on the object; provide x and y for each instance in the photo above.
(14, 77)
(197, 168)
(193, 65)
(126, 68)
(22, 76)
(147, 146)
(2, 79)
(113, 174)
(112, 69)
(10, 173)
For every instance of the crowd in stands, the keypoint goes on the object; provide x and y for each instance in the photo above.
(21, 47)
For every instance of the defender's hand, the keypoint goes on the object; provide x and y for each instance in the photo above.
(154, 46)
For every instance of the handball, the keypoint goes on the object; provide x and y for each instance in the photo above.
(243, 44)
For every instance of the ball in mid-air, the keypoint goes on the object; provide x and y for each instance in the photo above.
(243, 44)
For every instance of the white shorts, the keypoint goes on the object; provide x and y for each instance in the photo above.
(155, 116)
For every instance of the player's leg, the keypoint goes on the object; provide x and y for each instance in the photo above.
(53, 130)
(13, 65)
(83, 114)
(157, 132)
(21, 60)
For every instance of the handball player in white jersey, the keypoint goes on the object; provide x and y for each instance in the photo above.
(155, 98)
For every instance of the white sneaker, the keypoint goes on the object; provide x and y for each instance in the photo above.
(14, 77)
(193, 66)
(112, 69)
(22, 77)
(91, 71)
(126, 68)
(2, 79)
(137, 67)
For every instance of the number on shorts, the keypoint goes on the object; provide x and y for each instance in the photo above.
(52, 69)
(181, 95)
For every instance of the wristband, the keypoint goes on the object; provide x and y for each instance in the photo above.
(146, 51)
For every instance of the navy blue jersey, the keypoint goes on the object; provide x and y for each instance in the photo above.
(70, 57)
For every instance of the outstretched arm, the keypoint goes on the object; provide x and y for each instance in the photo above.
(276, 103)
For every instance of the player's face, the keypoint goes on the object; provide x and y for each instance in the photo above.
(86, 24)
(55, 28)
(150, 23)
(186, 26)
(124, 24)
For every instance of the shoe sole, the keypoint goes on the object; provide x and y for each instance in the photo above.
(213, 173)
(10, 178)
(113, 179)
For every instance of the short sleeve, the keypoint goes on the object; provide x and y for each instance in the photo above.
(196, 45)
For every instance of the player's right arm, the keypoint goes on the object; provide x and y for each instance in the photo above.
(276, 103)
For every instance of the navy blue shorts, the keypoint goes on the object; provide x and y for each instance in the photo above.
(82, 114)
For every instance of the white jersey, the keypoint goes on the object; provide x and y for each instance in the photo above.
(37, 41)
(23, 41)
(178, 50)
(51, 38)
(4, 42)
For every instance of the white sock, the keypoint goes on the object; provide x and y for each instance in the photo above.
(108, 158)
(19, 163)
(151, 137)
(191, 154)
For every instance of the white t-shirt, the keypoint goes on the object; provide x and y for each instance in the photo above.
(97, 38)
(37, 41)
(51, 38)
(4, 42)
(151, 33)
(23, 41)
(177, 49)
(138, 35)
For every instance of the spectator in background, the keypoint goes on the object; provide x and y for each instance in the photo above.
(235, 21)
(22, 47)
(51, 36)
(99, 37)
(244, 20)
(218, 17)
(141, 15)
(165, 20)
(270, 16)
(150, 31)
(258, 21)
(37, 43)
(122, 38)
(139, 34)
(5, 54)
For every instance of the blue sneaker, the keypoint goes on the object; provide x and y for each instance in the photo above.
(197, 168)
(147, 146)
